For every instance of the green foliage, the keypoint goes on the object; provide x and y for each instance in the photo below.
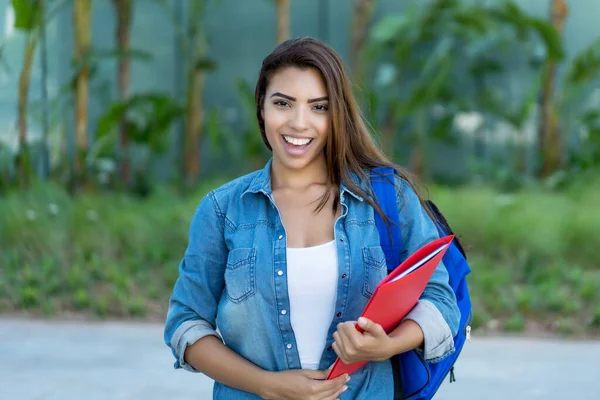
(516, 323)
(532, 253)
(580, 112)
(523, 24)
(566, 223)
(149, 117)
(422, 56)
(93, 58)
(243, 142)
(96, 253)
(595, 320)
(586, 65)
(28, 14)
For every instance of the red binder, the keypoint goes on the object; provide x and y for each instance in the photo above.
(397, 294)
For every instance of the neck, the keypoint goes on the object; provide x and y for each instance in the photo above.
(284, 177)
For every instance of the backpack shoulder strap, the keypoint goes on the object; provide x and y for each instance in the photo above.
(382, 181)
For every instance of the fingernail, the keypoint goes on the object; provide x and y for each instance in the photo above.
(344, 388)
(347, 378)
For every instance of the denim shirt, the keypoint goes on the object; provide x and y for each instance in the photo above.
(233, 276)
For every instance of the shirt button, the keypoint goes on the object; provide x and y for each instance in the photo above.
(280, 237)
(289, 346)
(339, 314)
(280, 272)
(284, 312)
(344, 276)
(342, 240)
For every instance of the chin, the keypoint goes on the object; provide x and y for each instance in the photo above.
(295, 163)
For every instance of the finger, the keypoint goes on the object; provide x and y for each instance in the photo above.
(371, 327)
(349, 336)
(339, 351)
(342, 390)
(317, 375)
(341, 346)
(332, 386)
(334, 392)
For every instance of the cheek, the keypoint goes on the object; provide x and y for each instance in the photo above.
(273, 120)
(322, 125)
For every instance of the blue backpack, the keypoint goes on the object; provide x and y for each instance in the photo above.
(415, 378)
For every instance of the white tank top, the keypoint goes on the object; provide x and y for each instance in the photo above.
(312, 289)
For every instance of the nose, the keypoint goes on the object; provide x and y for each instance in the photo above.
(299, 120)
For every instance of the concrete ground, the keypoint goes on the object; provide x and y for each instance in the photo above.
(51, 360)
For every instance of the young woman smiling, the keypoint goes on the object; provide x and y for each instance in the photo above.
(284, 260)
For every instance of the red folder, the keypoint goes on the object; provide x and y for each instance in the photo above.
(397, 294)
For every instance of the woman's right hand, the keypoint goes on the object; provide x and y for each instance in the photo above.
(304, 384)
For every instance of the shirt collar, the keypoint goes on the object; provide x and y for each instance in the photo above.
(262, 183)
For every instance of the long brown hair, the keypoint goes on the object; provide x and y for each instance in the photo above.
(350, 147)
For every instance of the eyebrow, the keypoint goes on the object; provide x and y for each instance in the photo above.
(285, 96)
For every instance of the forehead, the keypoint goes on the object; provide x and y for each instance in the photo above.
(302, 83)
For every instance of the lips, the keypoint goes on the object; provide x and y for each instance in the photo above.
(296, 146)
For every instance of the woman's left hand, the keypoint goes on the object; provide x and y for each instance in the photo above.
(373, 344)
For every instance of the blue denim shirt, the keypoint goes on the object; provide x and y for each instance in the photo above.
(233, 276)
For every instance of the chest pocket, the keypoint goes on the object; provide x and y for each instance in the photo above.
(375, 269)
(240, 280)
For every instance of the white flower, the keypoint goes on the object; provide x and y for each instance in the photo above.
(31, 215)
(468, 123)
(52, 209)
(91, 215)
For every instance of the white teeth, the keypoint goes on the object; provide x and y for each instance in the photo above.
(297, 142)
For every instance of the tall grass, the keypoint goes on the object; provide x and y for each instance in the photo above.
(544, 225)
(533, 253)
(109, 253)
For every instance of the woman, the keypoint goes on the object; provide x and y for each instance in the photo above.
(284, 260)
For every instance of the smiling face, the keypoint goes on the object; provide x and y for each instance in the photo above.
(296, 116)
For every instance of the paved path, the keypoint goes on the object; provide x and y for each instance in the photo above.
(125, 361)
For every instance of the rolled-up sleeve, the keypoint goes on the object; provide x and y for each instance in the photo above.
(187, 334)
(195, 298)
(437, 311)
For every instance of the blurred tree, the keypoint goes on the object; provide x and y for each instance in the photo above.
(549, 138)
(283, 20)
(578, 103)
(82, 10)
(149, 117)
(28, 15)
(423, 54)
(359, 30)
(196, 47)
(123, 11)
(240, 142)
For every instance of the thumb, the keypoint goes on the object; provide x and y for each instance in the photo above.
(318, 374)
(369, 326)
